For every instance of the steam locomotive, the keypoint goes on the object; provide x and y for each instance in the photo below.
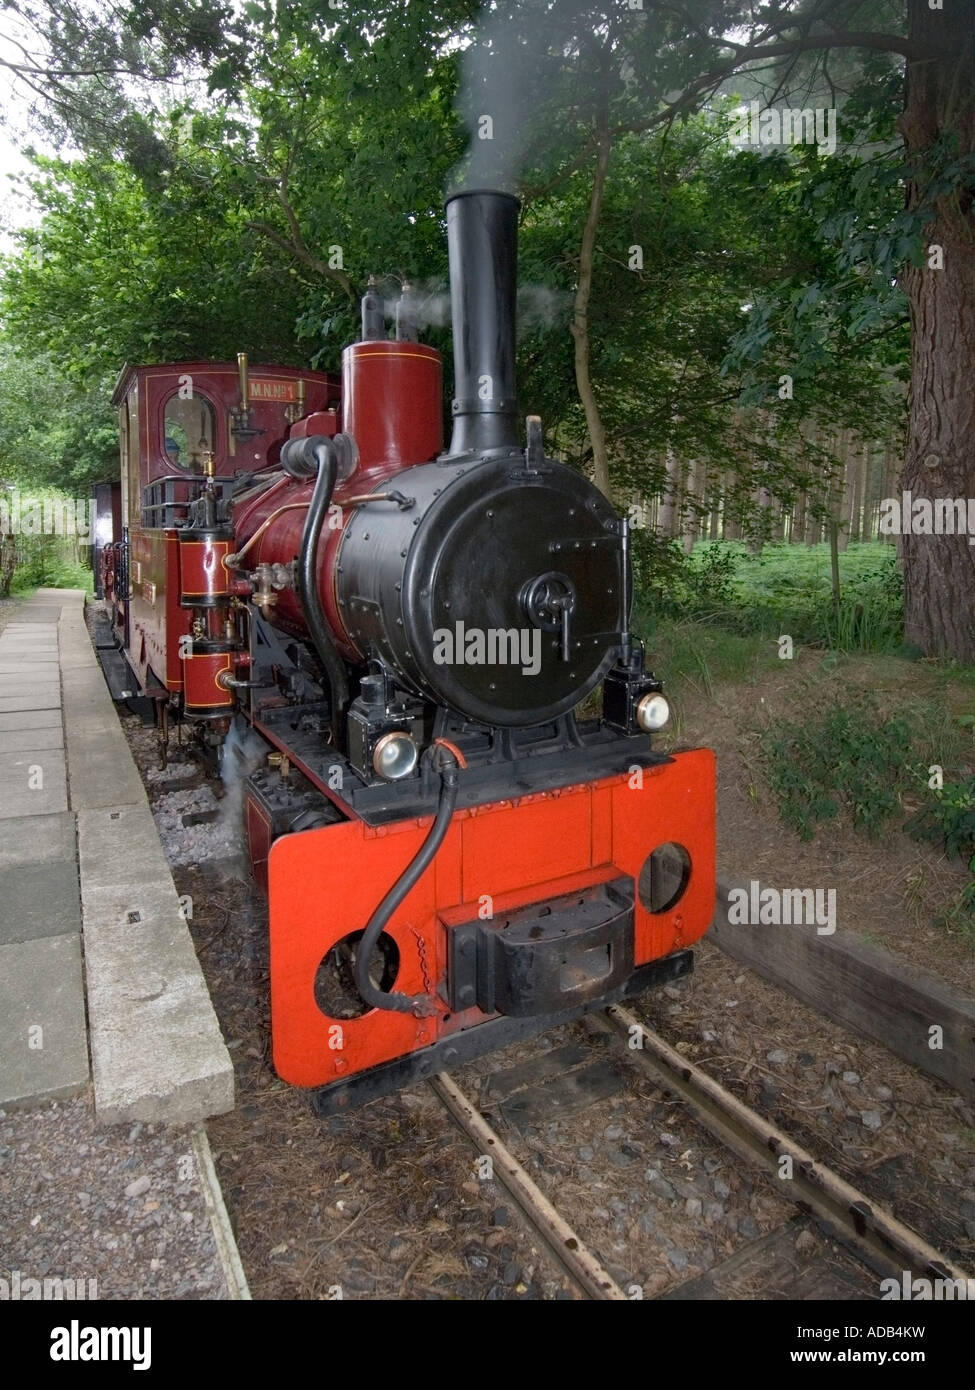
(387, 645)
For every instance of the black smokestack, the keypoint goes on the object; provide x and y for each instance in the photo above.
(482, 244)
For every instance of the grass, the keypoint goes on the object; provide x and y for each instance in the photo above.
(784, 590)
(864, 730)
(703, 654)
(50, 571)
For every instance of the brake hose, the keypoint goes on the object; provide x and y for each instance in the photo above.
(420, 1004)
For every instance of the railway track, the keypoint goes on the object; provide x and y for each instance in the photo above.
(872, 1234)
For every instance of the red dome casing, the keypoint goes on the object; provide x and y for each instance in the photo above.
(392, 405)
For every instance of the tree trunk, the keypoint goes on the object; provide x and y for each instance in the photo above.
(798, 531)
(762, 499)
(730, 526)
(939, 571)
(891, 471)
(862, 515)
(845, 490)
(667, 509)
(715, 529)
(580, 313)
(8, 563)
(690, 517)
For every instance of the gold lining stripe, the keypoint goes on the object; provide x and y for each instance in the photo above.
(422, 355)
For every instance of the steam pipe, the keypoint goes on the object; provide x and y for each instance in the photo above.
(321, 451)
(626, 591)
(482, 244)
(242, 373)
(420, 1005)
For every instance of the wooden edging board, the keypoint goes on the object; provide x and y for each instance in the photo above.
(880, 996)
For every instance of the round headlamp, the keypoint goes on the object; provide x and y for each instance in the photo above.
(652, 713)
(394, 756)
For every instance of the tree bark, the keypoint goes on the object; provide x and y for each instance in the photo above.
(797, 533)
(846, 490)
(667, 508)
(580, 313)
(891, 471)
(690, 516)
(939, 571)
(860, 526)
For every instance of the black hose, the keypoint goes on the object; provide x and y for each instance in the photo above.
(324, 453)
(419, 1004)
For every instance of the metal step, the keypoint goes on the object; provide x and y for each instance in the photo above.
(103, 636)
(119, 676)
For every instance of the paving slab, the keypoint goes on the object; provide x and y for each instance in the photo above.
(14, 704)
(42, 740)
(13, 721)
(28, 763)
(157, 1052)
(18, 797)
(43, 1048)
(36, 839)
(21, 684)
(39, 900)
(144, 861)
(38, 613)
(100, 765)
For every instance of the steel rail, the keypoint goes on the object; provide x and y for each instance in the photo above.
(562, 1241)
(875, 1234)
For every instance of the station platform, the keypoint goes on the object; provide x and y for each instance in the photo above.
(101, 995)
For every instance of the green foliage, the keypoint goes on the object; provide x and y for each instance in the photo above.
(50, 562)
(42, 540)
(847, 758)
(702, 655)
(949, 819)
(785, 589)
(125, 269)
(206, 228)
(54, 432)
(852, 758)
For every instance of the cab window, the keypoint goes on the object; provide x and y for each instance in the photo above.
(189, 432)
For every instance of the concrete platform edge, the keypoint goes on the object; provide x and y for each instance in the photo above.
(157, 1053)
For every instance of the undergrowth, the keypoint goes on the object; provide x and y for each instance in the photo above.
(852, 759)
